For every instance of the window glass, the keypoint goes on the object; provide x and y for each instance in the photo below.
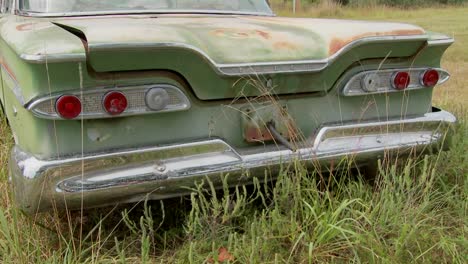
(62, 6)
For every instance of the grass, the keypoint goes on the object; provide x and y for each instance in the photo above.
(415, 212)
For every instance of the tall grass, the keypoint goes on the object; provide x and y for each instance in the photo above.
(365, 3)
(414, 211)
(411, 214)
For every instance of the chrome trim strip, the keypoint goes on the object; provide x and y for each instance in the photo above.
(33, 104)
(440, 42)
(349, 89)
(167, 171)
(239, 69)
(55, 58)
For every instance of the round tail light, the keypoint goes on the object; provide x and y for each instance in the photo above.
(401, 80)
(430, 78)
(68, 106)
(115, 103)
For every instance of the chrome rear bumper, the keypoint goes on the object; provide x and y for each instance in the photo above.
(167, 171)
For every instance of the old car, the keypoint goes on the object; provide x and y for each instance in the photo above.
(119, 101)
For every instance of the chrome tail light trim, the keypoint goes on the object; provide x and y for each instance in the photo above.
(92, 102)
(380, 81)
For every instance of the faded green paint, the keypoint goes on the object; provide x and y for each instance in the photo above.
(223, 40)
(30, 36)
(204, 120)
(45, 138)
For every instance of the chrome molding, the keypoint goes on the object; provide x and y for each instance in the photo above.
(440, 42)
(271, 68)
(234, 69)
(354, 87)
(167, 171)
(44, 107)
(44, 58)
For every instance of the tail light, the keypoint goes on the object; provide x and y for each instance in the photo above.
(105, 103)
(430, 78)
(115, 103)
(157, 99)
(68, 106)
(394, 80)
(401, 80)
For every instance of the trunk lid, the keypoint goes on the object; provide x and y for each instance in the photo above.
(202, 45)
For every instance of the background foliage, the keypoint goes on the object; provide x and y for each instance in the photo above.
(402, 3)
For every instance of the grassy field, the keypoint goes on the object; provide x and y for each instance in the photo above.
(416, 212)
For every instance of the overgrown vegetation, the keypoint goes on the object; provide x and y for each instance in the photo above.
(416, 211)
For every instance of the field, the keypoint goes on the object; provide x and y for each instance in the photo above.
(414, 212)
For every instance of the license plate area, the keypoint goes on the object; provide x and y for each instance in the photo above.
(255, 121)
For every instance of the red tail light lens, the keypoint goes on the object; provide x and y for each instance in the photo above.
(430, 78)
(115, 103)
(68, 106)
(401, 80)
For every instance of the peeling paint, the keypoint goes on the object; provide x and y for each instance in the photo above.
(285, 45)
(337, 44)
(263, 34)
(241, 33)
(339, 33)
(24, 27)
(256, 134)
(8, 70)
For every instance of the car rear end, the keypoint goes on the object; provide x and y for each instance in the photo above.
(123, 116)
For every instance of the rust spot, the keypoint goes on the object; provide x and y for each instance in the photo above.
(218, 32)
(32, 26)
(337, 44)
(256, 134)
(24, 27)
(285, 45)
(8, 70)
(240, 33)
(263, 34)
(230, 33)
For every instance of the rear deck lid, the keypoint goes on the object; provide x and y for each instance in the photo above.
(224, 40)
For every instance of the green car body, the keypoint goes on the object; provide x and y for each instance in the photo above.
(255, 91)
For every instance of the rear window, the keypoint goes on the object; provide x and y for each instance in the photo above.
(139, 6)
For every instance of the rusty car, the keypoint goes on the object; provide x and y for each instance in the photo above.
(119, 101)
